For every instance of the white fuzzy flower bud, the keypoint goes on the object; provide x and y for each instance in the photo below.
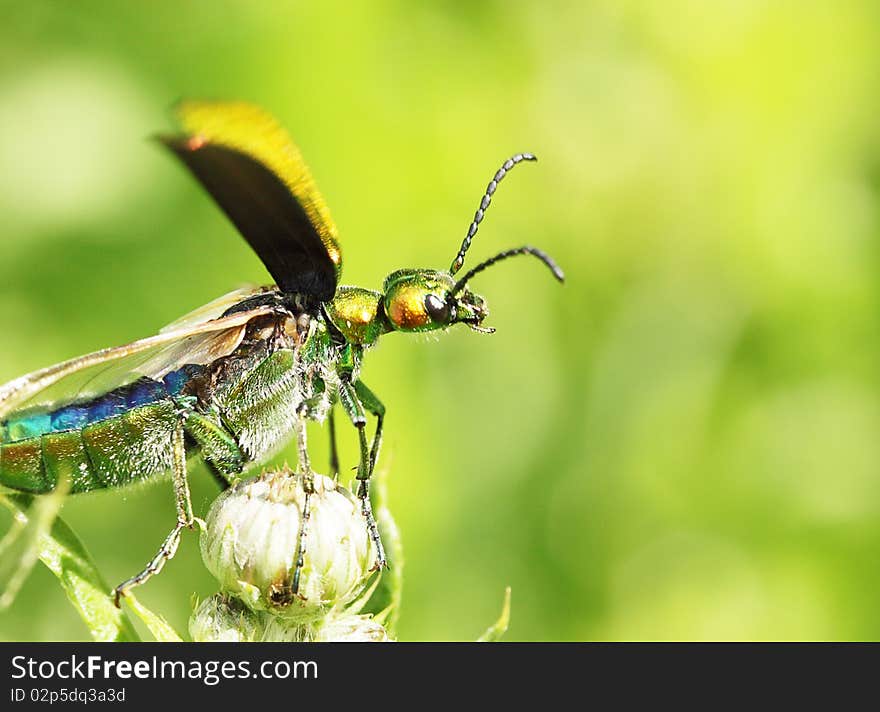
(351, 628)
(224, 618)
(251, 542)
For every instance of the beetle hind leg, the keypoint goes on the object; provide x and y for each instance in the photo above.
(185, 518)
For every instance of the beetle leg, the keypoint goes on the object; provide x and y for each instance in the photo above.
(185, 518)
(217, 445)
(334, 452)
(372, 403)
(348, 397)
(305, 471)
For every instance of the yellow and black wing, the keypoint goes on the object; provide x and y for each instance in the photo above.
(255, 173)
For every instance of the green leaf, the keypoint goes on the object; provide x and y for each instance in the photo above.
(65, 556)
(158, 626)
(20, 548)
(366, 595)
(495, 631)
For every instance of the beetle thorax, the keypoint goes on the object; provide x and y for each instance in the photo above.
(358, 314)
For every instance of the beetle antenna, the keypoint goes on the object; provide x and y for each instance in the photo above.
(526, 250)
(484, 206)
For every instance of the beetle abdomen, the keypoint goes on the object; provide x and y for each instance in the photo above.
(113, 452)
(79, 414)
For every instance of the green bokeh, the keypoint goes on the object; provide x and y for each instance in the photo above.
(681, 442)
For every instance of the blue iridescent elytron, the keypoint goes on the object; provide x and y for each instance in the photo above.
(235, 380)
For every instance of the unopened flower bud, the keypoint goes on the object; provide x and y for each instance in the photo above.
(351, 628)
(251, 542)
(224, 618)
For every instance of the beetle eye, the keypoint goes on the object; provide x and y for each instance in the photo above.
(437, 308)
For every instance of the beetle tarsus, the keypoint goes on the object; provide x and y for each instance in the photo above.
(166, 552)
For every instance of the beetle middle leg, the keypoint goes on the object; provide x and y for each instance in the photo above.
(353, 398)
(185, 518)
(334, 452)
(308, 480)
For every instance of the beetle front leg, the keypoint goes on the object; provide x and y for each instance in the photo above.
(372, 403)
(348, 397)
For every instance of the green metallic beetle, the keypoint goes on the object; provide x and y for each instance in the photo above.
(235, 380)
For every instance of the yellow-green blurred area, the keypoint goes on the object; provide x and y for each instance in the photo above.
(682, 442)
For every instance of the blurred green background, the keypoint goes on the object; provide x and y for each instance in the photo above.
(680, 443)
